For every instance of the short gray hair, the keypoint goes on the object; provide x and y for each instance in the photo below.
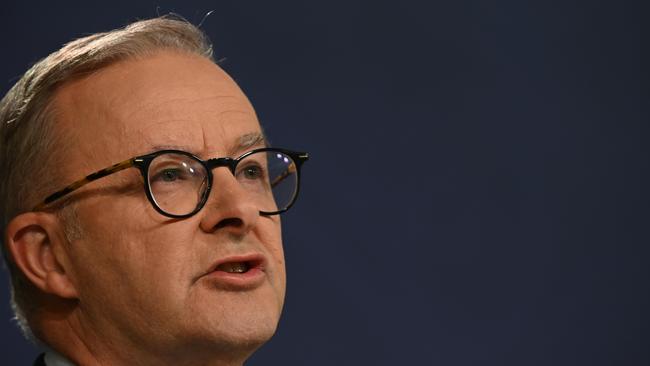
(28, 137)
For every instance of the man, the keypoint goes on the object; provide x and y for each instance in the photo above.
(169, 251)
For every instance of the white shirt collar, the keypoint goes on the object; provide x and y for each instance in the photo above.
(52, 358)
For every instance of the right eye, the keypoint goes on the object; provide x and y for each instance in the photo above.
(169, 175)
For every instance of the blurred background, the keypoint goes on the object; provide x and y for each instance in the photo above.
(477, 192)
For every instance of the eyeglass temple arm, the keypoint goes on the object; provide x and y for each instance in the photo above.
(292, 168)
(82, 182)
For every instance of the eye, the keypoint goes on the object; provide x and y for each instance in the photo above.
(169, 175)
(253, 172)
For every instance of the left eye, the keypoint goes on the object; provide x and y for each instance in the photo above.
(253, 172)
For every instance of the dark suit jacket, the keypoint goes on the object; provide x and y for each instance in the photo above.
(40, 361)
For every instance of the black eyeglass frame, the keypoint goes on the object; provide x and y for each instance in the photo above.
(143, 162)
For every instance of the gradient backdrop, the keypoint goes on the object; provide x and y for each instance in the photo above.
(478, 187)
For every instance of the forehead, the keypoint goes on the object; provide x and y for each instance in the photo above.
(167, 100)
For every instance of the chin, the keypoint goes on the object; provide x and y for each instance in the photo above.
(254, 326)
(244, 325)
(237, 337)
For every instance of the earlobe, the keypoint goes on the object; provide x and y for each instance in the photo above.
(31, 239)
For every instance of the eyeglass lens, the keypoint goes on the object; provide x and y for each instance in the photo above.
(178, 183)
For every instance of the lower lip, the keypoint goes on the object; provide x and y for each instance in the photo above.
(248, 280)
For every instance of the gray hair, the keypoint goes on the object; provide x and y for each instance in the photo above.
(28, 136)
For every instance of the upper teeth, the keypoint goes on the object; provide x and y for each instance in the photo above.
(234, 267)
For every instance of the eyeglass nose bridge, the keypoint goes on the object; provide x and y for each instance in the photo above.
(214, 163)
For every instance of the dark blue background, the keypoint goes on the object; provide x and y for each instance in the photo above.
(478, 187)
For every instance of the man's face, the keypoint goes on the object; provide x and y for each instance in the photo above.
(143, 279)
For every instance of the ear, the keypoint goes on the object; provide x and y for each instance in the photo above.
(35, 241)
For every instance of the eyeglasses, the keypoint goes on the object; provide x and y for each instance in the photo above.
(178, 183)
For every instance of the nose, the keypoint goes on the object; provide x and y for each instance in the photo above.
(229, 208)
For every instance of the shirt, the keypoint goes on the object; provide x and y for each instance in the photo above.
(52, 358)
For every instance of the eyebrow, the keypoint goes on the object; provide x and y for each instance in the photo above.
(249, 140)
(244, 142)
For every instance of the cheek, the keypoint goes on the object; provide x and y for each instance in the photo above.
(139, 277)
(129, 251)
(270, 234)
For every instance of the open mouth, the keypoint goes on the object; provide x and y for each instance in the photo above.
(238, 273)
(234, 267)
(240, 265)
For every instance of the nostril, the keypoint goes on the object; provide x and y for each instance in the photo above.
(229, 222)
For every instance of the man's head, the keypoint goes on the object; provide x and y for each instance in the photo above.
(102, 268)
